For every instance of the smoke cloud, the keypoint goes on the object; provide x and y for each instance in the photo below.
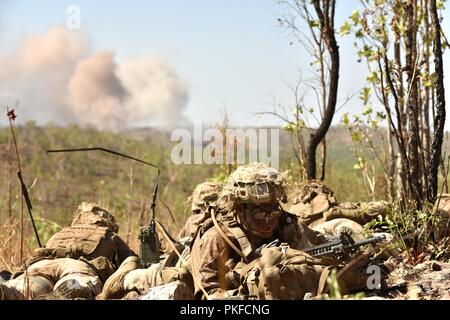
(154, 91)
(95, 93)
(56, 77)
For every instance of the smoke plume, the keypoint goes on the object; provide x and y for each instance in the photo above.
(56, 77)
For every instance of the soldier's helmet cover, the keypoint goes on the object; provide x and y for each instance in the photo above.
(308, 190)
(91, 213)
(255, 183)
(205, 194)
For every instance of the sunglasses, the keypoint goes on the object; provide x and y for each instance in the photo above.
(260, 213)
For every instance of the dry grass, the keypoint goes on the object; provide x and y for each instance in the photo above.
(10, 245)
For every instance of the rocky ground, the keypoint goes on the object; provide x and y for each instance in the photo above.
(429, 280)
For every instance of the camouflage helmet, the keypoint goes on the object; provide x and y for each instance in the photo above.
(308, 190)
(91, 213)
(205, 194)
(255, 183)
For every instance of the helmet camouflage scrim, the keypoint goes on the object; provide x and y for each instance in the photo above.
(308, 190)
(255, 183)
(91, 213)
(205, 194)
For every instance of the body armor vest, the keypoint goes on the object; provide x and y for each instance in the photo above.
(78, 240)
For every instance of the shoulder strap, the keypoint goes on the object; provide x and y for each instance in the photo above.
(224, 236)
(323, 280)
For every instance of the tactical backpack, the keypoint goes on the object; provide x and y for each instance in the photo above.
(284, 273)
(288, 274)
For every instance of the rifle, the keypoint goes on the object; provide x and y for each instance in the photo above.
(342, 245)
(149, 246)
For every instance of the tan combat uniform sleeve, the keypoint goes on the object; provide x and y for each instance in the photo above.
(209, 256)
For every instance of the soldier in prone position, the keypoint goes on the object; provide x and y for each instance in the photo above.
(226, 260)
(75, 262)
(131, 277)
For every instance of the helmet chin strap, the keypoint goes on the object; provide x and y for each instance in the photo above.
(239, 214)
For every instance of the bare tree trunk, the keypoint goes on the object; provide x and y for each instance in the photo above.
(301, 153)
(323, 84)
(439, 120)
(444, 176)
(413, 108)
(426, 105)
(401, 114)
(323, 159)
(326, 18)
(400, 87)
(400, 176)
(391, 164)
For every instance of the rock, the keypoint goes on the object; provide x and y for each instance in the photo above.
(4, 276)
(436, 266)
(374, 298)
(427, 280)
(414, 292)
(176, 290)
(132, 295)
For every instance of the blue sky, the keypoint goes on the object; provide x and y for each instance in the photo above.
(232, 54)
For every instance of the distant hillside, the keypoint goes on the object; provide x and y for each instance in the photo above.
(340, 172)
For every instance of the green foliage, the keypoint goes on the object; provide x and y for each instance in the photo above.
(355, 17)
(345, 29)
(294, 127)
(418, 233)
(314, 23)
(45, 229)
(63, 181)
(365, 95)
(333, 285)
(373, 78)
(368, 148)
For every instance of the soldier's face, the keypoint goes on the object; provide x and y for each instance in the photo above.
(262, 219)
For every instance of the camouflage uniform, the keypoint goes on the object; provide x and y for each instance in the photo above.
(215, 264)
(130, 277)
(204, 195)
(315, 205)
(59, 278)
(93, 234)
